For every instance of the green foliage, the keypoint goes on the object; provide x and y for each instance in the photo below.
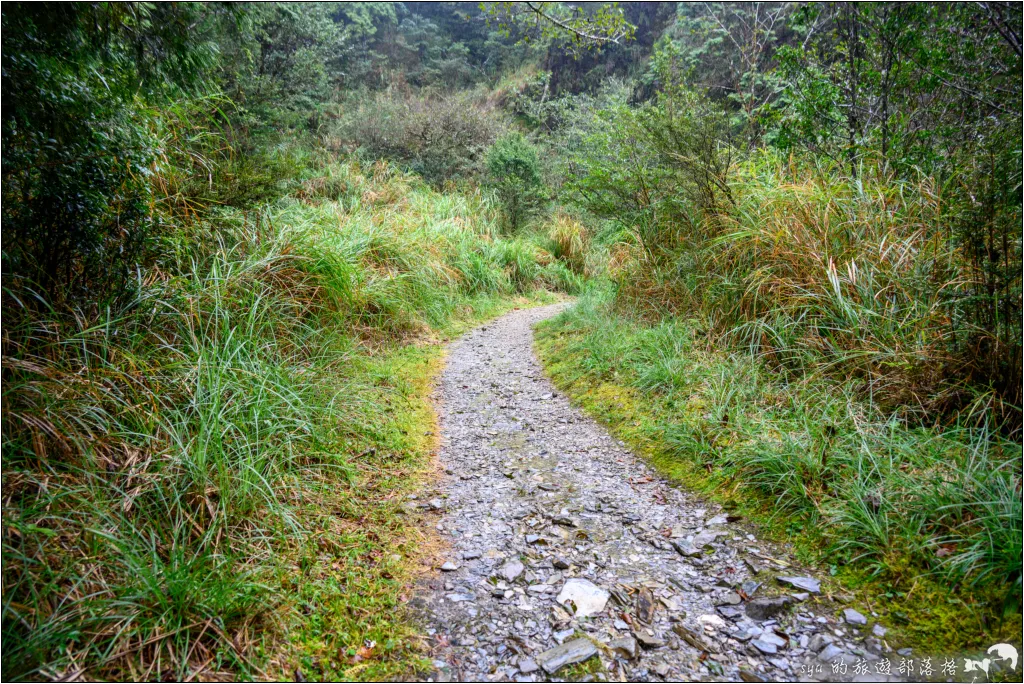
(425, 45)
(276, 64)
(728, 49)
(815, 209)
(862, 89)
(513, 172)
(577, 29)
(933, 88)
(78, 144)
(164, 457)
(652, 168)
(899, 79)
(895, 501)
(608, 166)
(442, 138)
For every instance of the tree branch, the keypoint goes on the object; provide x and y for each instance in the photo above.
(1000, 24)
(581, 35)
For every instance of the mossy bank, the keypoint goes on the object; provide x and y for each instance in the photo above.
(806, 461)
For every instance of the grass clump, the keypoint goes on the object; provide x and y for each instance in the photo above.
(569, 241)
(820, 272)
(879, 499)
(203, 480)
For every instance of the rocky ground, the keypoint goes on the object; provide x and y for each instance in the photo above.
(570, 558)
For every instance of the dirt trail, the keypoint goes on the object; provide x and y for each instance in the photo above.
(568, 555)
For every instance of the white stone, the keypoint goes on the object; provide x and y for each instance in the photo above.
(711, 621)
(587, 597)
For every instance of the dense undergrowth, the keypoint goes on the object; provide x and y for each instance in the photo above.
(855, 277)
(183, 470)
(815, 334)
(235, 234)
(775, 328)
(934, 511)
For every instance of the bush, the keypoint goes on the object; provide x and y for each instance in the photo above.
(513, 170)
(78, 144)
(441, 138)
(657, 169)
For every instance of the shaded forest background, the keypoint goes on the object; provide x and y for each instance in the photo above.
(217, 216)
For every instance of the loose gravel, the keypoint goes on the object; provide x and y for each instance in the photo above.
(569, 557)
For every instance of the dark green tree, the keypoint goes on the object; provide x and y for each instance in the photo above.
(78, 80)
(513, 170)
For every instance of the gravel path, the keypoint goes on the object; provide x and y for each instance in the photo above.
(568, 555)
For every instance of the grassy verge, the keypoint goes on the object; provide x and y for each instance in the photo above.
(204, 481)
(350, 580)
(922, 524)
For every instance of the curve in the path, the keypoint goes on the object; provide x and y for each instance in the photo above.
(550, 518)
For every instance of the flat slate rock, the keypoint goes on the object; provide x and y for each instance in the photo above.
(511, 570)
(648, 640)
(528, 665)
(852, 617)
(730, 612)
(625, 646)
(569, 653)
(694, 639)
(803, 583)
(687, 549)
(585, 597)
(766, 608)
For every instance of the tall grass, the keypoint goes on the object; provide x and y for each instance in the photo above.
(817, 271)
(886, 496)
(160, 455)
(569, 241)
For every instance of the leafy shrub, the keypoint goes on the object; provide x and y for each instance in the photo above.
(657, 169)
(441, 138)
(77, 142)
(513, 171)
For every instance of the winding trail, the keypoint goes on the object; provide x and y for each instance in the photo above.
(565, 548)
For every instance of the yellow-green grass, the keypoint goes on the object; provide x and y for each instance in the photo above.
(723, 426)
(202, 482)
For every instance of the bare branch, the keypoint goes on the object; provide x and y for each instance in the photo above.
(999, 22)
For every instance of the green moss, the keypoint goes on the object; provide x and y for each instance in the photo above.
(579, 671)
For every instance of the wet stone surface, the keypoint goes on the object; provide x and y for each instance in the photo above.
(569, 557)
